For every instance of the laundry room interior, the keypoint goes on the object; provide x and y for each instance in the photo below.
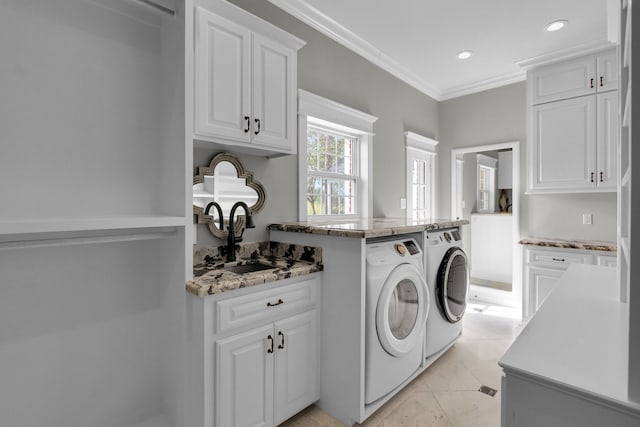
(238, 213)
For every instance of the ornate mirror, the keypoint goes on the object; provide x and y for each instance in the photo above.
(225, 182)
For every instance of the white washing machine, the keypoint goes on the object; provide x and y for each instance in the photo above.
(396, 311)
(447, 269)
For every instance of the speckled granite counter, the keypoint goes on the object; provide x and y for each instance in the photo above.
(286, 260)
(367, 227)
(589, 245)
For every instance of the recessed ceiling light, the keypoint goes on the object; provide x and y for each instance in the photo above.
(465, 54)
(556, 25)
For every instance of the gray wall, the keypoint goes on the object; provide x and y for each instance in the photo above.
(332, 71)
(499, 115)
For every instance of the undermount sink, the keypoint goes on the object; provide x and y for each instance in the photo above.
(248, 268)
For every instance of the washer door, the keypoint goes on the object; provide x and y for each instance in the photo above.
(402, 310)
(452, 284)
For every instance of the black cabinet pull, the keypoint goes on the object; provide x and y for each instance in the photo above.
(281, 335)
(271, 304)
(601, 79)
(248, 119)
(258, 122)
(601, 177)
(270, 350)
(558, 259)
(591, 81)
(592, 176)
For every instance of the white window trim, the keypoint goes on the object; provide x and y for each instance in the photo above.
(424, 148)
(491, 163)
(457, 193)
(350, 121)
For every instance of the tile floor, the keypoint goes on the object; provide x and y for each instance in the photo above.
(446, 394)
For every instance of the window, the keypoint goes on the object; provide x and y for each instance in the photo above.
(334, 159)
(332, 171)
(421, 152)
(486, 183)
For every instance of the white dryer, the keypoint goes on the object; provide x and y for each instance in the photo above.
(396, 311)
(448, 280)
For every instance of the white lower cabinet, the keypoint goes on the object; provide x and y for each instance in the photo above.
(255, 355)
(245, 373)
(541, 283)
(267, 373)
(296, 362)
(544, 266)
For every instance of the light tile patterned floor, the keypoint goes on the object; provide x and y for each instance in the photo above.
(446, 394)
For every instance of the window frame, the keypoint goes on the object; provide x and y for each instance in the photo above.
(322, 126)
(420, 147)
(333, 116)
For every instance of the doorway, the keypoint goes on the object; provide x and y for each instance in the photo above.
(479, 194)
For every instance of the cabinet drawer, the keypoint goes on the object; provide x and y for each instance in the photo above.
(558, 259)
(264, 306)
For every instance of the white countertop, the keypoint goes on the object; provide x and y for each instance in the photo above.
(579, 337)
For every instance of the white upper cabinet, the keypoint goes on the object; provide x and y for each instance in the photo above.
(576, 77)
(245, 82)
(573, 127)
(223, 78)
(274, 95)
(563, 153)
(608, 135)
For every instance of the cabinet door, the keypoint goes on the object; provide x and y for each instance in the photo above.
(244, 379)
(541, 283)
(297, 368)
(223, 77)
(607, 67)
(608, 128)
(561, 81)
(274, 94)
(563, 145)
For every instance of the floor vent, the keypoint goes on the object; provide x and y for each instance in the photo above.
(488, 390)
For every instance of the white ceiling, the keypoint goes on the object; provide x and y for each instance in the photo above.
(417, 40)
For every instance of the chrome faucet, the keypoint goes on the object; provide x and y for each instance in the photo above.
(231, 237)
(220, 216)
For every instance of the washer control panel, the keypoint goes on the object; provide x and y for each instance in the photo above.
(412, 247)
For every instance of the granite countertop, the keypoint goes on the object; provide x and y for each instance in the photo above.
(367, 227)
(286, 260)
(589, 245)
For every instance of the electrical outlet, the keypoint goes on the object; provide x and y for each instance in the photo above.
(587, 219)
(463, 204)
(403, 203)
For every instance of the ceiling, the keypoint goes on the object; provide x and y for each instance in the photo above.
(417, 40)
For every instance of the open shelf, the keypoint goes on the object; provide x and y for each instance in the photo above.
(85, 225)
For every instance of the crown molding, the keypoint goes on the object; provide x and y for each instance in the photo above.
(336, 31)
(483, 85)
(563, 54)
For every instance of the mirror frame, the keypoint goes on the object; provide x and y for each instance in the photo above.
(201, 218)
